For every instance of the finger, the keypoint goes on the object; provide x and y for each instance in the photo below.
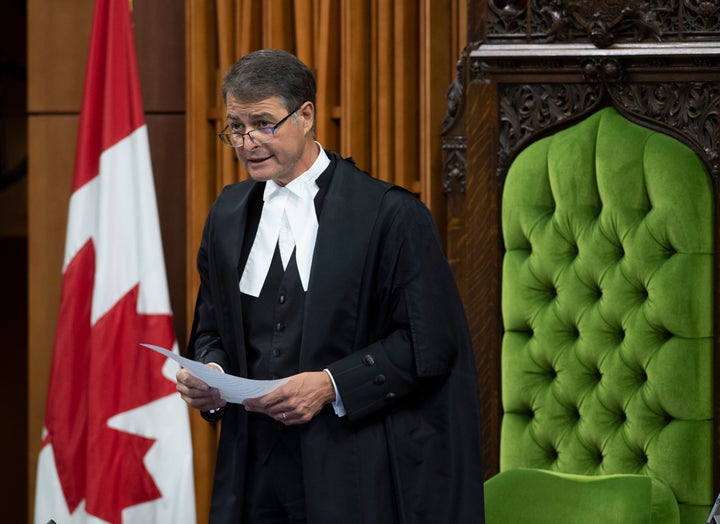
(266, 402)
(204, 402)
(283, 417)
(190, 381)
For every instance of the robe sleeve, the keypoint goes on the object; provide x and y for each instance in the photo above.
(417, 307)
(205, 344)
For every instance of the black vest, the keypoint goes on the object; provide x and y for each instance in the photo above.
(273, 322)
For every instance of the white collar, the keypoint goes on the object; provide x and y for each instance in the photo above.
(296, 200)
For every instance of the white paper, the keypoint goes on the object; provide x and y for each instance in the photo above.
(233, 389)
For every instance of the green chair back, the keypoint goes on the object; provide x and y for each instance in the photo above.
(607, 304)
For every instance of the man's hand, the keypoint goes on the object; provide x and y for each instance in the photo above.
(197, 393)
(298, 400)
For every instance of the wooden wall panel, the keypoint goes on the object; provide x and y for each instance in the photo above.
(304, 24)
(438, 57)
(328, 83)
(52, 153)
(160, 55)
(278, 26)
(201, 126)
(166, 133)
(383, 91)
(355, 83)
(407, 84)
(58, 36)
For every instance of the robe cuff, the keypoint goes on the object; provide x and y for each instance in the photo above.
(338, 404)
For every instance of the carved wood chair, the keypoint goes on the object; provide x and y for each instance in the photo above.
(533, 76)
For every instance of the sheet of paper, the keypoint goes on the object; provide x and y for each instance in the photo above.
(233, 389)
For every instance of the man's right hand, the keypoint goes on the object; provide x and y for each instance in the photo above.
(197, 393)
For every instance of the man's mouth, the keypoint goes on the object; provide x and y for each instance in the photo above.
(253, 161)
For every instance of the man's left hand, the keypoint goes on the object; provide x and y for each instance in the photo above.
(298, 400)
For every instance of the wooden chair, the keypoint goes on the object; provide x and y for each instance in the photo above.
(533, 73)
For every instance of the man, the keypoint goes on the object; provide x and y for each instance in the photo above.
(315, 271)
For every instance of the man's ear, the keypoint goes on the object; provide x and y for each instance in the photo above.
(307, 112)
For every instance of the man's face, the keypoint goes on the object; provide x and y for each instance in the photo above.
(285, 155)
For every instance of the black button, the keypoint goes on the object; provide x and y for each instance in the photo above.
(379, 380)
(276, 352)
(389, 397)
(368, 360)
(281, 299)
(279, 326)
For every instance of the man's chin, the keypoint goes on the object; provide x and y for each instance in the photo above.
(261, 173)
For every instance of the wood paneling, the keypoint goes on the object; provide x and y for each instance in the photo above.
(202, 160)
(159, 27)
(52, 153)
(166, 133)
(58, 36)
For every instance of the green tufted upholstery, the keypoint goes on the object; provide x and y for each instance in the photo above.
(607, 307)
(539, 496)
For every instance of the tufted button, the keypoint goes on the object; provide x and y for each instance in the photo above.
(620, 334)
(368, 360)
(599, 457)
(379, 380)
(575, 414)
(389, 397)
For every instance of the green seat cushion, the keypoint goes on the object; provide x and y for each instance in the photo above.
(533, 496)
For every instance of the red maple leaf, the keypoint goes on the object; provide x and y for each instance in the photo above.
(100, 371)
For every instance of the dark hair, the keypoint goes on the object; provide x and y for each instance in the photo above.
(267, 73)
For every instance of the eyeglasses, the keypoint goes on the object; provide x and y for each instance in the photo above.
(261, 135)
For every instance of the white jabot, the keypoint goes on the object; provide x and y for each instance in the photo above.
(289, 209)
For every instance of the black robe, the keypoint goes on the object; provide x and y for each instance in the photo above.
(383, 314)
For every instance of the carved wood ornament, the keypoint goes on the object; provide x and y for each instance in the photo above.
(538, 88)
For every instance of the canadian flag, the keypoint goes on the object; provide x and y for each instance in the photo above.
(116, 443)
